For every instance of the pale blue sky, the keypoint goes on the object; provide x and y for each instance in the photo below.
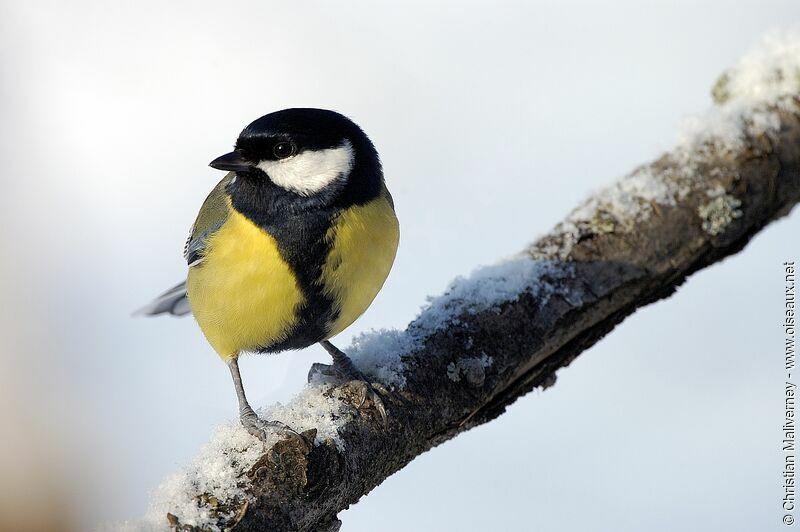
(493, 120)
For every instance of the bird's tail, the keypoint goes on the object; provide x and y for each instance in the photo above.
(173, 301)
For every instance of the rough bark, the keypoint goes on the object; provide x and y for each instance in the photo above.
(609, 267)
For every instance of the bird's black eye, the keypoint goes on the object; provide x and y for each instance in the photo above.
(284, 149)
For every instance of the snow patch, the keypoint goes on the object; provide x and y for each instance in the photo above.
(379, 354)
(489, 286)
(316, 407)
(217, 470)
(628, 199)
(749, 95)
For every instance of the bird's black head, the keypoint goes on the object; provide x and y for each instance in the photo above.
(299, 159)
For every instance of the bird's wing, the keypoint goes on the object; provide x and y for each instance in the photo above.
(212, 215)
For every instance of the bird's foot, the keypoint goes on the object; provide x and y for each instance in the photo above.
(344, 371)
(261, 428)
(362, 388)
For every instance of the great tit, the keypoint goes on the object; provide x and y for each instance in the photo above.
(290, 247)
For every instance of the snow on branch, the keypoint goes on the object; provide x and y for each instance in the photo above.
(507, 328)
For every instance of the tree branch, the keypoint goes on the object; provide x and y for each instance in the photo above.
(506, 330)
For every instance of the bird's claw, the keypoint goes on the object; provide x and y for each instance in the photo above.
(318, 368)
(366, 390)
(261, 428)
(358, 383)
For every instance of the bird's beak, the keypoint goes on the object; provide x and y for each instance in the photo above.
(233, 162)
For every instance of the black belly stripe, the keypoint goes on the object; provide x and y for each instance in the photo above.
(304, 246)
(302, 243)
(300, 224)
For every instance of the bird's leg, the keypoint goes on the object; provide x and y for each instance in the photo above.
(246, 412)
(249, 419)
(344, 368)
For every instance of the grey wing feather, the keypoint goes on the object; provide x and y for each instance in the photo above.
(173, 301)
(212, 215)
(194, 250)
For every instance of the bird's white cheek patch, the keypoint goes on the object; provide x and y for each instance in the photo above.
(311, 171)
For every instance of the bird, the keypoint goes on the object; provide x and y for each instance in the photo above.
(290, 247)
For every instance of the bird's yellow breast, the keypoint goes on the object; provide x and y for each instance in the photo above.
(243, 295)
(364, 244)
